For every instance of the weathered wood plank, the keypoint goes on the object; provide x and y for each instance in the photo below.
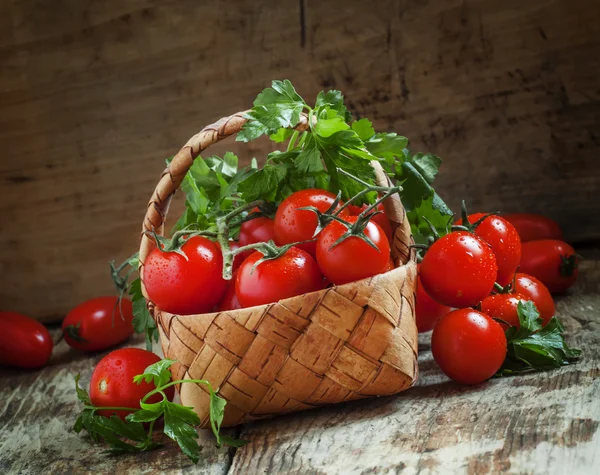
(544, 423)
(94, 96)
(38, 409)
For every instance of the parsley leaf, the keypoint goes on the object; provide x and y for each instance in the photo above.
(388, 146)
(263, 184)
(364, 129)
(179, 426)
(158, 373)
(142, 320)
(532, 347)
(335, 100)
(275, 107)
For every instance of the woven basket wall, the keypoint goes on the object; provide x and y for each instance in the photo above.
(338, 344)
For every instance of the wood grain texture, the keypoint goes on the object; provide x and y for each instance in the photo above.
(94, 96)
(544, 423)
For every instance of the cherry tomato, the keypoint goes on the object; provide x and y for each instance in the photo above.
(352, 259)
(504, 241)
(98, 324)
(468, 346)
(533, 227)
(427, 310)
(229, 300)
(390, 266)
(381, 219)
(186, 286)
(259, 229)
(24, 342)
(553, 262)
(459, 270)
(293, 273)
(294, 225)
(538, 293)
(112, 381)
(504, 307)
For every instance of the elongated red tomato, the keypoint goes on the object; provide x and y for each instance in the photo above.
(427, 310)
(538, 293)
(24, 342)
(185, 285)
(352, 259)
(295, 225)
(553, 262)
(459, 270)
(504, 307)
(293, 273)
(504, 241)
(112, 381)
(468, 346)
(98, 324)
(533, 227)
(381, 219)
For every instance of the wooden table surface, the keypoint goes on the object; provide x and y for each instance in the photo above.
(539, 423)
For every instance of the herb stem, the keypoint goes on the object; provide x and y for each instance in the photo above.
(292, 142)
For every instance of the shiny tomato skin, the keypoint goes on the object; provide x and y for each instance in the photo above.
(504, 241)
(504, 307)
(353, 259)
(294, 273)
(468, 346)
(185, 286)
(261, 229)
(100, 323)
(459, 270)
(427, 310)
(534, 227)
(295, 225)
(24, 342)
(229, 300)
(538, 293)
(545, 260)
(112, 381)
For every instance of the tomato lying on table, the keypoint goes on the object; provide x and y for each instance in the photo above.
(459, 270)
(98, 324)
(468, 346)
(112, 381)
(352, 259)
(553, 262)
(24, 342)
(533, 227)
(293, 273)
(538, 293)
(295, 225)
(185, 285)
(504, 307)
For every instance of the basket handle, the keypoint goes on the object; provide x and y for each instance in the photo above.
(171, 179)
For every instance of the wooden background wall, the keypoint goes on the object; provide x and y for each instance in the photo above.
(94, 95)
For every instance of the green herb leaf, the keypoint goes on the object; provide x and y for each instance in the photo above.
(232, 442)
(309, 159)
(264, 184)
(335, 100)
(179, 426)
(217, 412)
(364, 129)
(142, 320)
(159, 373)
(533, 347)
(427, 164)
(388, 146)
(82, 394)
(276, 107)
(282, 135)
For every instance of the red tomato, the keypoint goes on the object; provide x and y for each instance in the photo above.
(427, 310)
(468, 346)
(533, 227)
(229, 300)
(295, 272)
(24, 342)
(381, 219)
(98, 324)
(459, 270)
(504, 241)
(112, 381)
(259, 229)
(554, 262)
(504, 307)
(390, 266)
(538, 293)
(185, 286)
(353, 259)
(294, 225)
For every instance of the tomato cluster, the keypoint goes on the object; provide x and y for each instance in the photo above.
(473, 270)
(304, 249)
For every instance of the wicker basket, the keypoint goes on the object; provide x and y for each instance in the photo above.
(338, 344)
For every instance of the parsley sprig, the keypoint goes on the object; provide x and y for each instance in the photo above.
(534, 347)
(180, 422)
